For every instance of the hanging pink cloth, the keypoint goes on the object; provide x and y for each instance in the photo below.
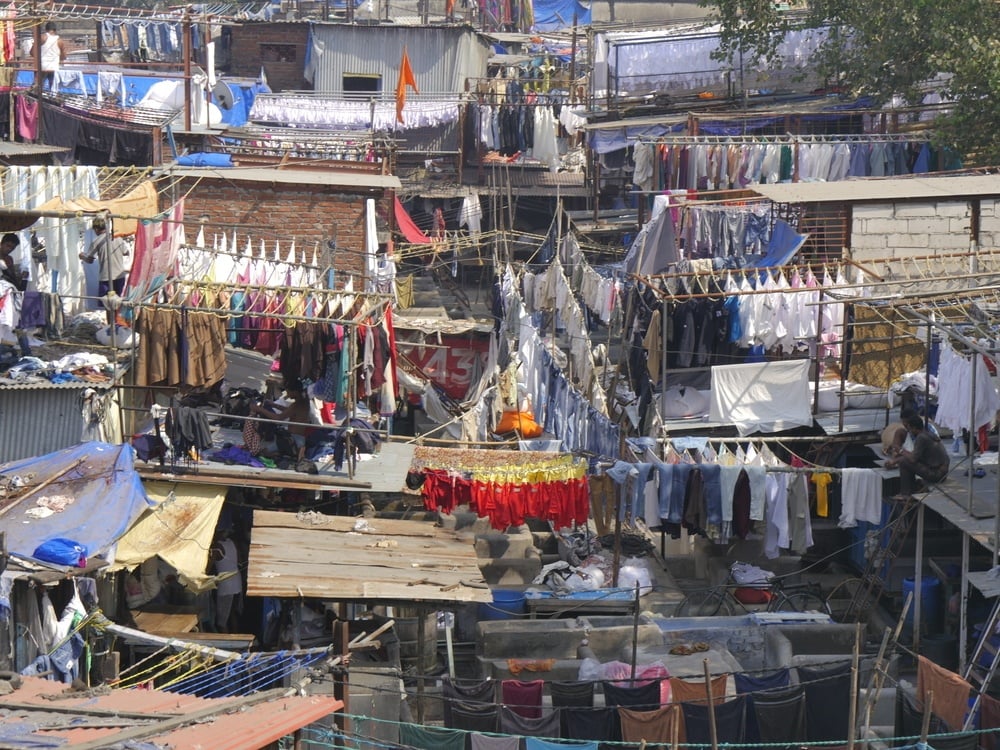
(405, 223)
(156, 244)
(26, 111)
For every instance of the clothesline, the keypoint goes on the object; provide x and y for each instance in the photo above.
(786, 139)
(228, 314)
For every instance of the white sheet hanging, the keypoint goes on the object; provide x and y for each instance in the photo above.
(765, 397)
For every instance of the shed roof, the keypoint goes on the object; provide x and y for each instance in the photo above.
(341, 558)
(284, 176)
(886, 190)
(165, 718)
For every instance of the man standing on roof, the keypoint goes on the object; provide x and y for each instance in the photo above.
(112, 253)
(53, 53)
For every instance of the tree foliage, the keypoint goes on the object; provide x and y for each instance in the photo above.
(887, 48)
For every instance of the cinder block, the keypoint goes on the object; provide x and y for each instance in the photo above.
(913, 210)
(872, 211)
(959, 226)
(876, 226)
(948, 242)
(908, 240)
(931, 225)
(864, 241)
(956, 209)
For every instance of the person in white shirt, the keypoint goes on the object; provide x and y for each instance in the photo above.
(53, 53)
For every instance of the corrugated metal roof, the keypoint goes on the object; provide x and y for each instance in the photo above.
(883, 190)
(35, 420)
(41, 384)
(383, 472)
(328, 557)
(234, 724)
(286, 176)
(8, 149)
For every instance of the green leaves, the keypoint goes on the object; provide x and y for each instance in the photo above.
(887, 48)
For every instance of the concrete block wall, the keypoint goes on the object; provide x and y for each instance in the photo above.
(989, 224)
(310, 215)
(906, 229)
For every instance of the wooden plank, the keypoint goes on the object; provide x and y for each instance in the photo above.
(352, 589)
(165, 622)
(344, 524)
(303, 547)
(359, 573)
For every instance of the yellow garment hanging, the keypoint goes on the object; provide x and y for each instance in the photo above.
(821, 479)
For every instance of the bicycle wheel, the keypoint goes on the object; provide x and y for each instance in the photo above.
(706, 603)
(802, 601)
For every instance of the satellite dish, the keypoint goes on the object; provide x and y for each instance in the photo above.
(222, 95)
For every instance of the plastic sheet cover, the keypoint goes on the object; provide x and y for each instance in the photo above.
(92, 495)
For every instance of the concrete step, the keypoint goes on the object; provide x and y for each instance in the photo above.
(514, 546)
(501, 572)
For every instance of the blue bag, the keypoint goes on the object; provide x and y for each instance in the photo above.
(61, 552)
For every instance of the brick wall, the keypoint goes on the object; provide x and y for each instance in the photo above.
(310, 215)
(267, 44)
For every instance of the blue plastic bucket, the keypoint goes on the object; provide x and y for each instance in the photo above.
(506, 605)
(931, 610)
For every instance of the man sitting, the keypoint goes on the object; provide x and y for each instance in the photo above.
(928, 460)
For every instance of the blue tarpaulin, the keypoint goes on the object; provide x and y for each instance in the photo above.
(552, 15)
(784, 243)
(235, 112)
(95, 496)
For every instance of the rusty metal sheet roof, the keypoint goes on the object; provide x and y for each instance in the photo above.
(234, 726)
(349, 559)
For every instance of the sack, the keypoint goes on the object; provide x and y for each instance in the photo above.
(285, 442)
(307, 467)
(251, 438)
(149, 446)
(61, 552)
(237, 403)
(520, 421)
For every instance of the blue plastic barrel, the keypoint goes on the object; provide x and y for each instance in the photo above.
(931, 610)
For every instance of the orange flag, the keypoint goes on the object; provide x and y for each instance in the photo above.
(405, 79)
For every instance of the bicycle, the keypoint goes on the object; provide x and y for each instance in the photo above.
(732, 598)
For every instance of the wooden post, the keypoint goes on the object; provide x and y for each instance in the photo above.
(925, 722)
(712, 729)
(852, 713)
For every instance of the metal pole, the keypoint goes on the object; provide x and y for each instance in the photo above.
(918, 579)
(852, 714)
(963, 617)
(712, 729)
(635, 631)
(421, 638)
(663, 360)
(819, 355)
(973, 436)
(616, 564)
(187, 69)
(36, 53)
